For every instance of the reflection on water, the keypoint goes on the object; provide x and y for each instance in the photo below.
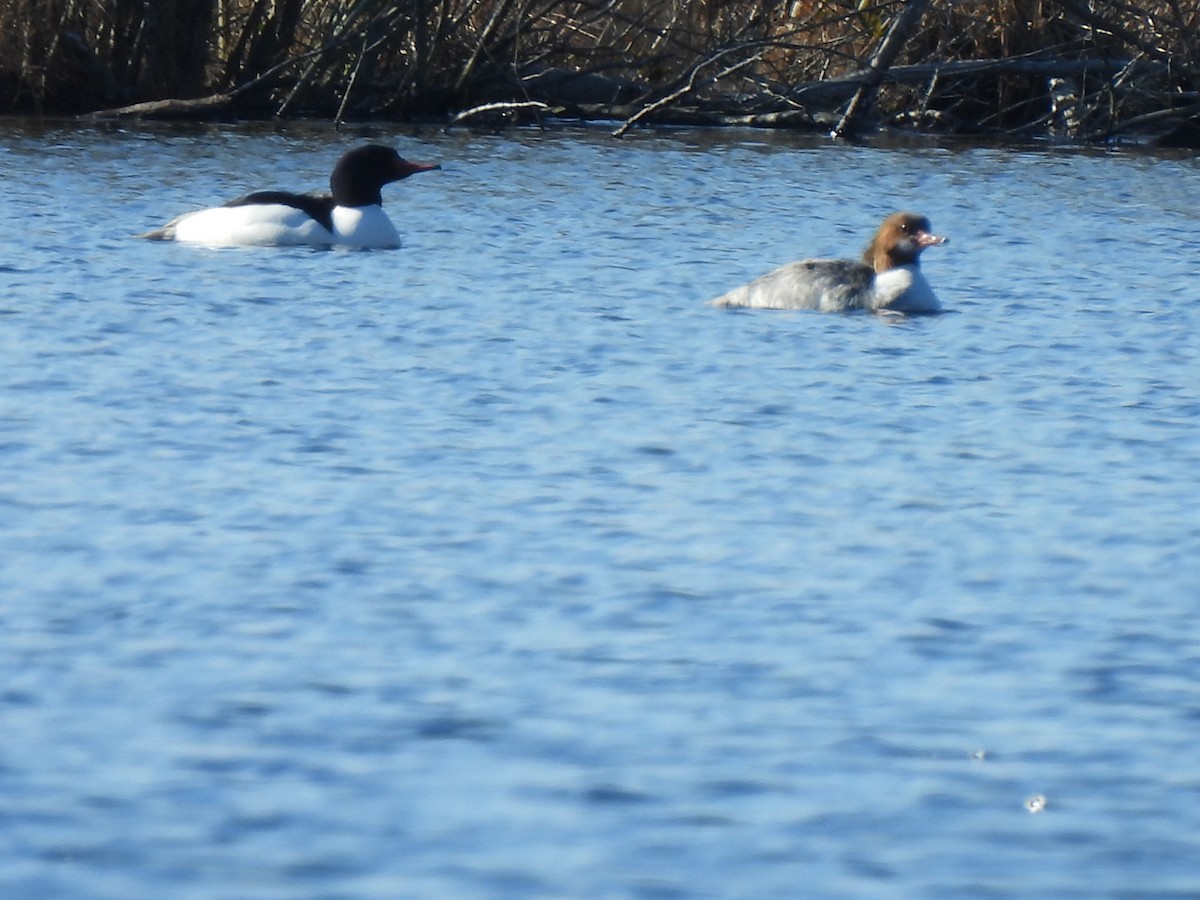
(503, 566)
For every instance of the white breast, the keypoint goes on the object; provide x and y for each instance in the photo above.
(364, 226)
(904, 289)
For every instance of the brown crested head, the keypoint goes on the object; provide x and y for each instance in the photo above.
(899, 241)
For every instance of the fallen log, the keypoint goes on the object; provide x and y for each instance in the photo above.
(195, 109)
(212, 106)
(810, 104)
(844, 86)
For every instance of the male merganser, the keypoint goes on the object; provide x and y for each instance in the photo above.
(888, 279)
(351, 216)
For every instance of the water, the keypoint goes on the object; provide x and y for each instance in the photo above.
(503, 567)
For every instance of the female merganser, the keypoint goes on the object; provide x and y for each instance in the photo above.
(351, 216)
(888, 279)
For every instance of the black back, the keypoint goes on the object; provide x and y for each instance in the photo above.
(318, 206)
(356, 181)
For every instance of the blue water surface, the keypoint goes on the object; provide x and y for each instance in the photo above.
(502, 566)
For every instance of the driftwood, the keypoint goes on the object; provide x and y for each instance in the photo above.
(211, 107)
(505, 110)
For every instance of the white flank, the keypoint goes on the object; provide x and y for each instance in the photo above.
(255, 225)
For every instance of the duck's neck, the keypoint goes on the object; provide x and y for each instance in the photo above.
(881, 259)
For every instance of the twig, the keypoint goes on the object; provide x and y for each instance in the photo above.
(1090, 18)
(518, 106)
(337, 119)
(888, 50)
(687, 88)
(342, 34)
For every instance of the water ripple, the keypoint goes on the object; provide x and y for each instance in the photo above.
(503, 566)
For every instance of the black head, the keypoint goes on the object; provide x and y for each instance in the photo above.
(361, 173)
